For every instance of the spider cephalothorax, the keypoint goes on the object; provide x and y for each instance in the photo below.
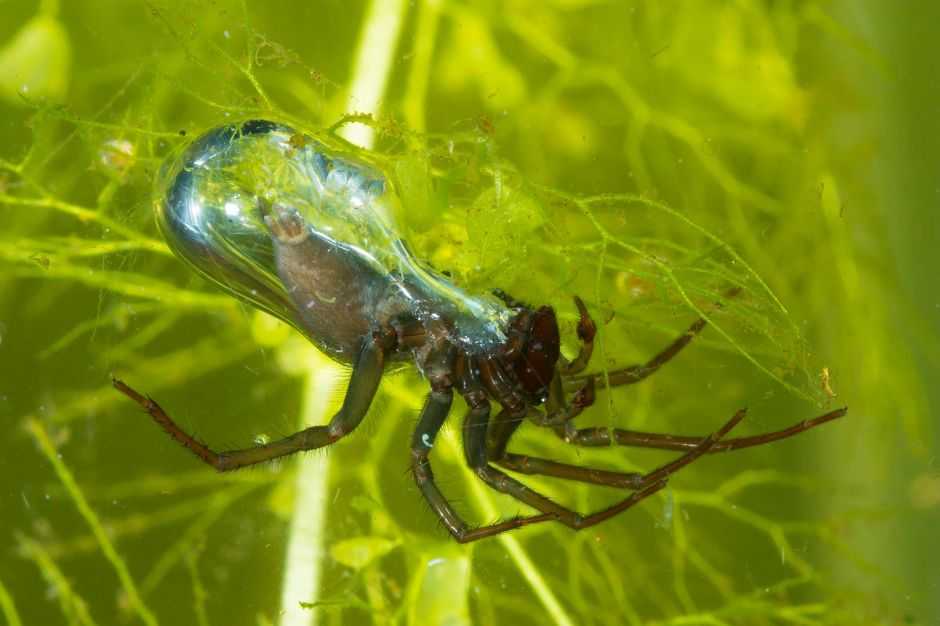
(303, 230)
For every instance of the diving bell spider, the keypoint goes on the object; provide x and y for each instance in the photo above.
(301, 229)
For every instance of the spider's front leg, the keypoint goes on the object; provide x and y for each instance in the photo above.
(479, 459)
(560, 414)
(443, 369)
(367, 372)
(635, 373)
(432, 418)
(560, 411)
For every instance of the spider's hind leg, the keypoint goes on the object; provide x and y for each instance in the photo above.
(525, 464)
(504, 425)
(432, 418)
(647, 484)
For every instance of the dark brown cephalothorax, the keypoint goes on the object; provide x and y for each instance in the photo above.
(302, 230)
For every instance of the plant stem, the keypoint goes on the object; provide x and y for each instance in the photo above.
(483, 498)
(8, 607)
(94, 523)
(413, 104)
(377, 43)
(305, 552)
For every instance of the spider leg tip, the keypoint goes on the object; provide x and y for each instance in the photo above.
(145, 401)
(838, 413)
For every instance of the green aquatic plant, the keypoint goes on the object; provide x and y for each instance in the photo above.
(644, 158)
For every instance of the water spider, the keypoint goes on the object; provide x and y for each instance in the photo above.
(304, 231)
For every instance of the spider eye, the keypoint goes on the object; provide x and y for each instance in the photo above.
(537, 366)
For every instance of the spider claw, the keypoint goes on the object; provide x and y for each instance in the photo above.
(734, 421)
(127, 390)
(719, 434)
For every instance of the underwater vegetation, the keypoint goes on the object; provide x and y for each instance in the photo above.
(644, 156)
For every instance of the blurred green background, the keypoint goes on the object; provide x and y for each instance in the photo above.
(641, 154)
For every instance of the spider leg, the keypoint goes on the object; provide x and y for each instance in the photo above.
(602, 436)
(362, 387)
(474, 441)
(535, 466)
(432, 417)
(526, 464)
(501, 430)
(635, 373)
(475, 449)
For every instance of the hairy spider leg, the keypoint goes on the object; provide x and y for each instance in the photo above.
(536, 466)
(531, 465)
(435, 411)
(597, 437)
(432, 418)
(476, 455)
(363, 384)
(627, 376)
(502, 428)
(602, 436)
(635, 373)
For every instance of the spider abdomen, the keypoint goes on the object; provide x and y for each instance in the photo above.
(306, 232)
